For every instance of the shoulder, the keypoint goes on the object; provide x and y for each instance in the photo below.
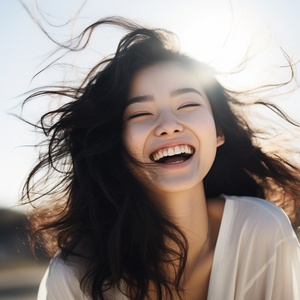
(257, 208)
(255, 215)
(60, 281)
(257, 248)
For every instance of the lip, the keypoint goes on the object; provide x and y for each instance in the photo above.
(175, 165)
(173, 144)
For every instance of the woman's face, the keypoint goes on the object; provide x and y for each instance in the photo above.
(169, 127)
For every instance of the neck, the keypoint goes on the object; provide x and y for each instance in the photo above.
(188, 210)
(199, 221)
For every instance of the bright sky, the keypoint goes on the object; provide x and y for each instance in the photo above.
(202, 26)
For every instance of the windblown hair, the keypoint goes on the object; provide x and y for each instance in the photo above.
(94, 202)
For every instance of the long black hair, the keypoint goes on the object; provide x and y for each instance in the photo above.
(94, 202)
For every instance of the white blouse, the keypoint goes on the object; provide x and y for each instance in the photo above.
(257, 257)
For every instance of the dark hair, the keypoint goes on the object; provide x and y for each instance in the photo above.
(93, 197)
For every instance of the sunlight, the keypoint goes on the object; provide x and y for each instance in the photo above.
(227, 39)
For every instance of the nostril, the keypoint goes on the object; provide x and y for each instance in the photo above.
(168, 128)
(166, 133)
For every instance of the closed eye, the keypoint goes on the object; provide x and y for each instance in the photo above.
(189, 105)
(139, 115)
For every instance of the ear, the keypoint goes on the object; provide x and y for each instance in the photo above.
(220, 139)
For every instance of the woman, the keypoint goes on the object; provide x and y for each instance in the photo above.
(148, 152)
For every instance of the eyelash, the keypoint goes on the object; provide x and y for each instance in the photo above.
(148, 114)
(139, 115)
(189, 105)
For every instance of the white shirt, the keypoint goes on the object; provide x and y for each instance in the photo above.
(257, 257)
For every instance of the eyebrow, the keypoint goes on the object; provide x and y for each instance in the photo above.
(178, 92)
(145, 98)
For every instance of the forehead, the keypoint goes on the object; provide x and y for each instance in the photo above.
(162, 77)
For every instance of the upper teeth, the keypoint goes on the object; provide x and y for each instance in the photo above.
(170, 151)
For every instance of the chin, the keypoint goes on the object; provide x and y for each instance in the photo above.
(175, 186)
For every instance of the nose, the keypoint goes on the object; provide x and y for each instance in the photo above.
(168, 125)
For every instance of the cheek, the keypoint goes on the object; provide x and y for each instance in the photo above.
(133, 138)
(204, 126)
(210, 126)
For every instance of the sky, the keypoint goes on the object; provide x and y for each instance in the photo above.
(216, 31)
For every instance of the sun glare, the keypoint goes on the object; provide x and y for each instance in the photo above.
(237, 45)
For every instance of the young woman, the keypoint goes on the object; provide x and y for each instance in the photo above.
(156, 186)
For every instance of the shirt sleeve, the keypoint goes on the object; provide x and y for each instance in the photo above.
(287, 271)
(60, 283)
(279, 276)
(257, 255)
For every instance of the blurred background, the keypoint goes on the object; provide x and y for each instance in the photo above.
(218, 32)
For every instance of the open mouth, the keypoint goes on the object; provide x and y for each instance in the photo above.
(172, 155)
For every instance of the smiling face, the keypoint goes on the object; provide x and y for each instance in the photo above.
(168, 126)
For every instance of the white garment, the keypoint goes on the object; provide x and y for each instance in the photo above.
(257, 257)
